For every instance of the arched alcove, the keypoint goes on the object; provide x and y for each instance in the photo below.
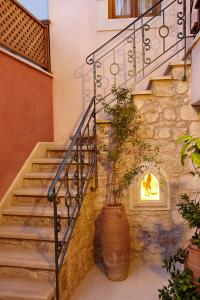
(150, 191)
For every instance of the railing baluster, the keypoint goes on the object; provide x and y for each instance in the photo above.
(56, 245)
(143, 47)
(185, 39)
(134, 54)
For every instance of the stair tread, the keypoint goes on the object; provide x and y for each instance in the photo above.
(180, 63)
(165, 77)
(33, 210)
(144, 92)
(45, 175)
(26, 259)
(62, 148)
(15, 288)
(39, 192)
(27, 232)
(51, 161)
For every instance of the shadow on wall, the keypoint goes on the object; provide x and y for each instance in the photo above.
(160, 242)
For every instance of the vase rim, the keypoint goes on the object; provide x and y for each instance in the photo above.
(194, 247)
(113, 207)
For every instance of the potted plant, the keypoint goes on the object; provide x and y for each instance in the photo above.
(185, 284)
(126, 156)
(180, 285)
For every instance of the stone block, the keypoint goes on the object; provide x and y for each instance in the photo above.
(189, 113)
(162, 133)
(177, 132)
(163, 88)
(151, 117)
(195, 129)
(182, 87)
(170, 114)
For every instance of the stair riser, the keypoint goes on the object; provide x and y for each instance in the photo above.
(38, 167)
(25, 200)
(61, 154)
(42, 246)
(30, 221)
(27, 273)
(45, 183)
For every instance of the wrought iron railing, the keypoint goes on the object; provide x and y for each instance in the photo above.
(71, 183)
(139, 49)
(23, 34)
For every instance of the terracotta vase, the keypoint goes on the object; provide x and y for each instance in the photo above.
(115, 240)
(193, 262)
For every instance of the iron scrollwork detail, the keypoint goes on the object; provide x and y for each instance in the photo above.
(146, 43)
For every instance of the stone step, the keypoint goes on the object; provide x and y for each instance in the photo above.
(52, 161)
(47, 175)
(15, 288)
(58, 151)
(35, 215)
(34, 211)
(44, 179)
(142, 93)
(29, 237)
(40, 192)
(175, 69)
(52, 164)
(27, 232)
(39, 201)
(26, 259)
(158, 79)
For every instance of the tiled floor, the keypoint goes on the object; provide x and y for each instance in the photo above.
(142, 284)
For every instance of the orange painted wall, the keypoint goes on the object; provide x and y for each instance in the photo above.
(26, 115)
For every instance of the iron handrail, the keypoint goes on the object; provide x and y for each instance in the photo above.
(73, 157)
(73, 143)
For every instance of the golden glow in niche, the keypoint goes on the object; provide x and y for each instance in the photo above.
(149, 188)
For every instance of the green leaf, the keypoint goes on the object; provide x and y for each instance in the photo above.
(196, 158)
(198, 143)
(184, 138)
(183, 158)
(184, 149)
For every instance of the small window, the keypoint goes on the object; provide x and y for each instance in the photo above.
(149, 188)
(150, 191)
(130, 8)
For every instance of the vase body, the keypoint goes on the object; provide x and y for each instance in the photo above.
(115, 241)
(193, 262)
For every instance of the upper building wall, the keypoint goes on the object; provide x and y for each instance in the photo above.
(78, 28)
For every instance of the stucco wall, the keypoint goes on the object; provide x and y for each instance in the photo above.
(25, 114)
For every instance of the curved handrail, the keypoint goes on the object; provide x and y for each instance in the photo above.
(90, 59)
(51, 194)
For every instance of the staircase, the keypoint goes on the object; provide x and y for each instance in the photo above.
(27, 264)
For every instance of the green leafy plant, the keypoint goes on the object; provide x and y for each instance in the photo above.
(180, 285)
(124, 142)
(190, 208)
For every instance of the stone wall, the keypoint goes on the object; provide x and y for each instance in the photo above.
(80, 255)
(167, 114)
